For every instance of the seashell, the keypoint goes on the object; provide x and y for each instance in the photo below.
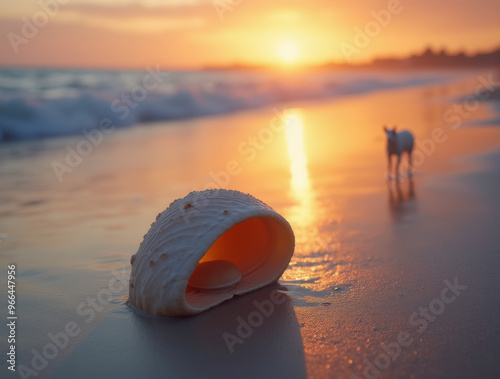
(205, 249)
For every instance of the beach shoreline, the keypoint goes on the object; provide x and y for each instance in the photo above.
(369, 254)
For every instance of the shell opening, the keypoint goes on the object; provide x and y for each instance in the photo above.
(260, 248)
(214, 276)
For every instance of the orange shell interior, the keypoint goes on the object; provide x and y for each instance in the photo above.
(259, 247)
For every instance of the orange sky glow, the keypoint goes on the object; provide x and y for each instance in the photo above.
(197, 33)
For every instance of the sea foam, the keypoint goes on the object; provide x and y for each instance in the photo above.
(39, 103)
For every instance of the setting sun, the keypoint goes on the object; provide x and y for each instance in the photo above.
(288, 52)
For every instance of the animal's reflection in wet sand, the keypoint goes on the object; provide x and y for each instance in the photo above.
(402, 199)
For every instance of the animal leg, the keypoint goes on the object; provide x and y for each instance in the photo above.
(397, 167)
(410, 166)
(389, 166)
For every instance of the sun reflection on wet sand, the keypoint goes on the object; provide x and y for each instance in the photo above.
(300, 184)
(296, 152)
(312, 259)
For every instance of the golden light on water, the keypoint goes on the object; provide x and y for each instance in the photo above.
(296, 152)
(301, 213)
(312, 264)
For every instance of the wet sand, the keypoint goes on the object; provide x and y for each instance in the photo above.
(369, 253)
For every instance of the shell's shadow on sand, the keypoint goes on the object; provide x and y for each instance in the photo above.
(210, 345)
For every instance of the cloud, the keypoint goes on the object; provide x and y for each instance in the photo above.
(140, 18)
(138, 10)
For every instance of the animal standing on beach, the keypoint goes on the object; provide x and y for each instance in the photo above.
(397, 144)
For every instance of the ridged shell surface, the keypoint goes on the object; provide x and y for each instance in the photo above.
(204, 226)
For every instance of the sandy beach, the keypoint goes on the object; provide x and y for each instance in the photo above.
(388, 279)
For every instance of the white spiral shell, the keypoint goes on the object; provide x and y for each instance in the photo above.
(206, 226)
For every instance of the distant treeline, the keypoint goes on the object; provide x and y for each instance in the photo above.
(432, 59)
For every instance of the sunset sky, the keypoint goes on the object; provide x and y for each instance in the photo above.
(195, 33)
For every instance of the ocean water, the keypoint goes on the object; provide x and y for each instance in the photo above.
(40, 103)
(355, 248)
